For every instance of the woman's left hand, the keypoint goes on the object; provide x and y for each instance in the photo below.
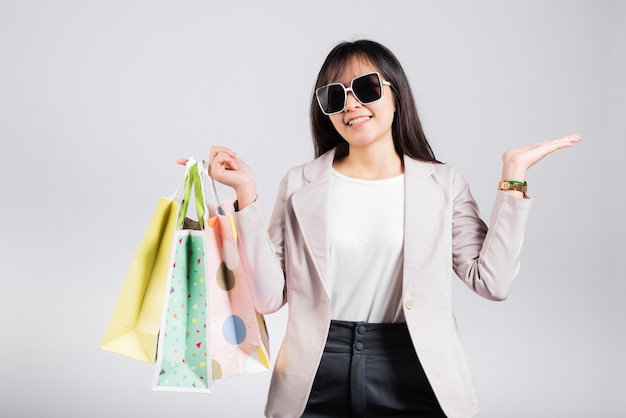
(518, 160)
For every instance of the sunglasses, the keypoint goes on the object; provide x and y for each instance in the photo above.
(366, 88)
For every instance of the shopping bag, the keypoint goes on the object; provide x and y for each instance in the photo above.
(238, 334)
(183, 354)
(215, 334)
(133, 327)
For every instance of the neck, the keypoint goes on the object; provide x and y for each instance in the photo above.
(370, 164)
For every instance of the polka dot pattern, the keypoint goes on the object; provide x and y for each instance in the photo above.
(234, 330)
(224, 278)
(236, 334)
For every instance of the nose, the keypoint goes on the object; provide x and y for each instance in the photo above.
(351, 101)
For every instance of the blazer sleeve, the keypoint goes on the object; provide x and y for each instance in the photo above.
(487, 258)
(262, 253)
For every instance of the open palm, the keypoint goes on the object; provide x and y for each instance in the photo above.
(523, 157)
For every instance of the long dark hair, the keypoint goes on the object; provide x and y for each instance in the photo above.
(408, 136)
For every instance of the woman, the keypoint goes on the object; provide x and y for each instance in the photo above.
(362, 245)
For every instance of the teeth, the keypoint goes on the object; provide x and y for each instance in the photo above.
(358, 120)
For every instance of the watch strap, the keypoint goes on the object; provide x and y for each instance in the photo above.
(520, 186)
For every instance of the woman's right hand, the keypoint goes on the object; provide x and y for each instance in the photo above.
(226, 168)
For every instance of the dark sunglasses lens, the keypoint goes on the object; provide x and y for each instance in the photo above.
(331, 98)
(367, 88)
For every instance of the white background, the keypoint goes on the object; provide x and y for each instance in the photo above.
(98, 99)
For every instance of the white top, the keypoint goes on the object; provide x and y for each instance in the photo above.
(366, 241)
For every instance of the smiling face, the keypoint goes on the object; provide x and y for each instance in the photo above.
(364, 126)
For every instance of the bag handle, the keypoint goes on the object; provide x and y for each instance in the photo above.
(192, 183)
(205, 172)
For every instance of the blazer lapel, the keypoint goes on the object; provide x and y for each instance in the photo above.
(422, 206)
(311, 209)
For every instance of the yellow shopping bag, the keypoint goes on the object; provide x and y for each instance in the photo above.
(133, 327)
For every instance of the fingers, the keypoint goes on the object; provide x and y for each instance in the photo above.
(217, 155)
(551, 145)
(221, 159)
(216, 150)
(571, 138)
(221, 154)
(559, 143)
(568, 141)
(564, 141)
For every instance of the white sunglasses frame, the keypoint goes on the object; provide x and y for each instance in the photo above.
(349, 89)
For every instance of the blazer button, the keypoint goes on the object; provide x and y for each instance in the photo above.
(409, 304)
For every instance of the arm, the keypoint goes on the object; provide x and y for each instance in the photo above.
(487, 259)
(263, 253)
(262, 258)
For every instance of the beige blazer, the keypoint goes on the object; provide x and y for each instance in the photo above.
(443, 234)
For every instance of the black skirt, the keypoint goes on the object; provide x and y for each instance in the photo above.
(370, 370)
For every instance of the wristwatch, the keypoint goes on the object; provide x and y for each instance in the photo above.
(520, 186)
